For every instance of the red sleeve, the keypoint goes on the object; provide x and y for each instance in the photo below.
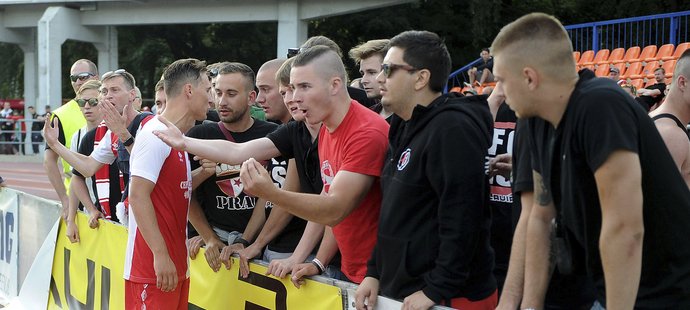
(365, 151)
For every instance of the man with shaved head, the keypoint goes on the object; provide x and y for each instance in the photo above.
(599, 166)
(672, 117)
(352, 146)
(269, 97)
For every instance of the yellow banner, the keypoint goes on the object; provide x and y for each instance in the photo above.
(88, 275)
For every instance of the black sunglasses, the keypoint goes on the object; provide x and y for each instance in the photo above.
(213, 73)
(389, 69)
(92, 102)
(80, 76)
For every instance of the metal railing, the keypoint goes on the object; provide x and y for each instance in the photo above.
(659, 29)
(16, 137)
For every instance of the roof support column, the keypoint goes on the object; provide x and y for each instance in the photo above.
(292, 31)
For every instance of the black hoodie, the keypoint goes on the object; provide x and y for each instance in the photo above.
(435, 217)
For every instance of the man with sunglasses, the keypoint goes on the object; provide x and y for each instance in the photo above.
(68, 119)
(117, 91)
(433, 237)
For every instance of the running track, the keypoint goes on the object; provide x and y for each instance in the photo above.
(26, 174)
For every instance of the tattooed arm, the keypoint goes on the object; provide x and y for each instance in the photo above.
(537, 258)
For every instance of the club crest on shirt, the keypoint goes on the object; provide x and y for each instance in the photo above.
(327, 175)
(404, 159)
(228, 179)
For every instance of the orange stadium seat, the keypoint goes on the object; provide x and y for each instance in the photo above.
(630, 53)
(647, 52)
(586, 56)
(638, 83)
(602, 70)
(601, 55)
(664, 51)
(576, 56)
(616, 54)
(679, 51)
(633, 69)
(668, 67)
(647, 71)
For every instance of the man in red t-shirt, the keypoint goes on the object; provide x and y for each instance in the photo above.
(352, 146)
(159, 196)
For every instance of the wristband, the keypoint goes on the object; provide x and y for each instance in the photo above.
(318, 265)
(245, 243)
(129, 141)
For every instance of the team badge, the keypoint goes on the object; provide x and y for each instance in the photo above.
(404, 159)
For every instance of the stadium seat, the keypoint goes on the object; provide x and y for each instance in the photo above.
(664, 51)
(456, 89)
(616, 54)
(633, 69)
(586, 56)
(602, 70)
(601, 55)
(576, 56)
(630, 53)
(668, 67)
(647, 71)
(638, 83)
(679, 51)
(647, 52)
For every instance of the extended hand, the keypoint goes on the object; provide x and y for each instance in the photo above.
(501, 164)
(72, 231)
(212, 253)
(256, 179)
(116, 122)
(302, 270)
(193, 246)
(51, 132)
(172, 136)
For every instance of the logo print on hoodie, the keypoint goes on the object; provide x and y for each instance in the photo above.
(404, 159)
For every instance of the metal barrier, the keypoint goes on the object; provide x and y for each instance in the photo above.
(16, 137)
(660, 29)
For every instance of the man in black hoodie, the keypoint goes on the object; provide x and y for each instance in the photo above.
(433, 238)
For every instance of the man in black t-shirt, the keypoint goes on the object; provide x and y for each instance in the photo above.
(652, 95)
(221, 212)
(601, 170)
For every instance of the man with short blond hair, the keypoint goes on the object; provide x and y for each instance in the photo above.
(599, 165)
(369, 56)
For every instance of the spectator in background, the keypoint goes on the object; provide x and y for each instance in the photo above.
(651, 96)
(615, 75)
(630, 89)
(37, 123)
(7, 128)
(483, 72)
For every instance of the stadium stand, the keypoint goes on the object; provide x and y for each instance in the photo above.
(616, 43)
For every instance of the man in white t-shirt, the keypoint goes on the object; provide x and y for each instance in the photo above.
(159, 196)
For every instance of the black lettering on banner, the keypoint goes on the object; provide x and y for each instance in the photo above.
(56, 293)
(270, 284)
(6, 229)
(72, 302)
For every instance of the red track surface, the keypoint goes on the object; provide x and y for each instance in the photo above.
(28, 177)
